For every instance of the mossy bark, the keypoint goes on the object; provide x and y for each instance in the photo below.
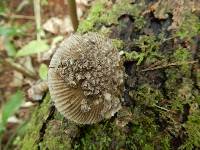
(162, 83)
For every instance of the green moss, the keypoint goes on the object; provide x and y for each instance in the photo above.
(146, 95)
(178, 77)
(109, 136)
(153, 121)
(197, 74)
(173, 76)
(183, 95)
(93, 17)
(101, 137)
(190, 26)
(99, 15)
(55, 142)
(182, 56)
(55, 137)
(179, 88)
(197, 96)
(58, 116)
(119, 44)
(165, 142)
(118, 9)
(143, 135)
(134, 56)
(33, 129)
(147, 48)
(145, 132)
(192, 127)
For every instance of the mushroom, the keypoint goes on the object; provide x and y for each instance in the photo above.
(85, 78)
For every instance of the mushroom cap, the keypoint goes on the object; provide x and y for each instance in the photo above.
(85, 78)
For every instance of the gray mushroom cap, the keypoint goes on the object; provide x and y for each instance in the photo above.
(85, 78)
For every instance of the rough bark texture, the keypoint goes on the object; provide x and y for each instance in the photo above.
(161, 45)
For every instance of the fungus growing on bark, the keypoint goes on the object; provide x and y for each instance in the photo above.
(85, 78)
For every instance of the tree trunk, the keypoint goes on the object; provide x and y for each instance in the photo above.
(161, 45)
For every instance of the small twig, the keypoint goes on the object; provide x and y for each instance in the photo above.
(169, 65)
(36, 4)
(162, 108)
(19, 68)
(157, 63)
(73, 13)
(14, 16)
(168, 39)
(39, 32)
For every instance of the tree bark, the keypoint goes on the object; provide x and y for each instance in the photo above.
(160, 43)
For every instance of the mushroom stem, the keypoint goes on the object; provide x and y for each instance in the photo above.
(73, 13)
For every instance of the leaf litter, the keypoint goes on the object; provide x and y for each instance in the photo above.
(18, 45)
